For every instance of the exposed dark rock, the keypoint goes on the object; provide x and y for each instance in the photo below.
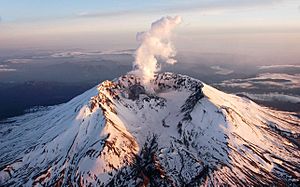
(135, 90)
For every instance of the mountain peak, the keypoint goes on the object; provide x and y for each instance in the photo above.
(174, 131)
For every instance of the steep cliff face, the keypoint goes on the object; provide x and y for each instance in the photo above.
(177, 131)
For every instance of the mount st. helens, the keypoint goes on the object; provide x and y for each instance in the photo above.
(181, 133)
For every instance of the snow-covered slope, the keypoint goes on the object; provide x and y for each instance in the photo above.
(177, 132)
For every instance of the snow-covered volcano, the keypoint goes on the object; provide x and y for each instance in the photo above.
(182, 132)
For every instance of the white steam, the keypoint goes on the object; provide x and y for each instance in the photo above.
(155, 44)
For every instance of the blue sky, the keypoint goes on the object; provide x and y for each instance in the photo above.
(12, 10)
(16, 10)
(30, 10)
(113, 24)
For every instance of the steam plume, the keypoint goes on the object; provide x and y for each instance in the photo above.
(155, 44)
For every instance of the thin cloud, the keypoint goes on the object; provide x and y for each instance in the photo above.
(278, 80)
(206, 7)
(273, 97)
(221, 71)
(18, 61)
(279, 66)
(105, 14)
(78, 53)
(7, 70)
(224, 4)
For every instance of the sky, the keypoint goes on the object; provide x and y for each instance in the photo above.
(258, 27)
